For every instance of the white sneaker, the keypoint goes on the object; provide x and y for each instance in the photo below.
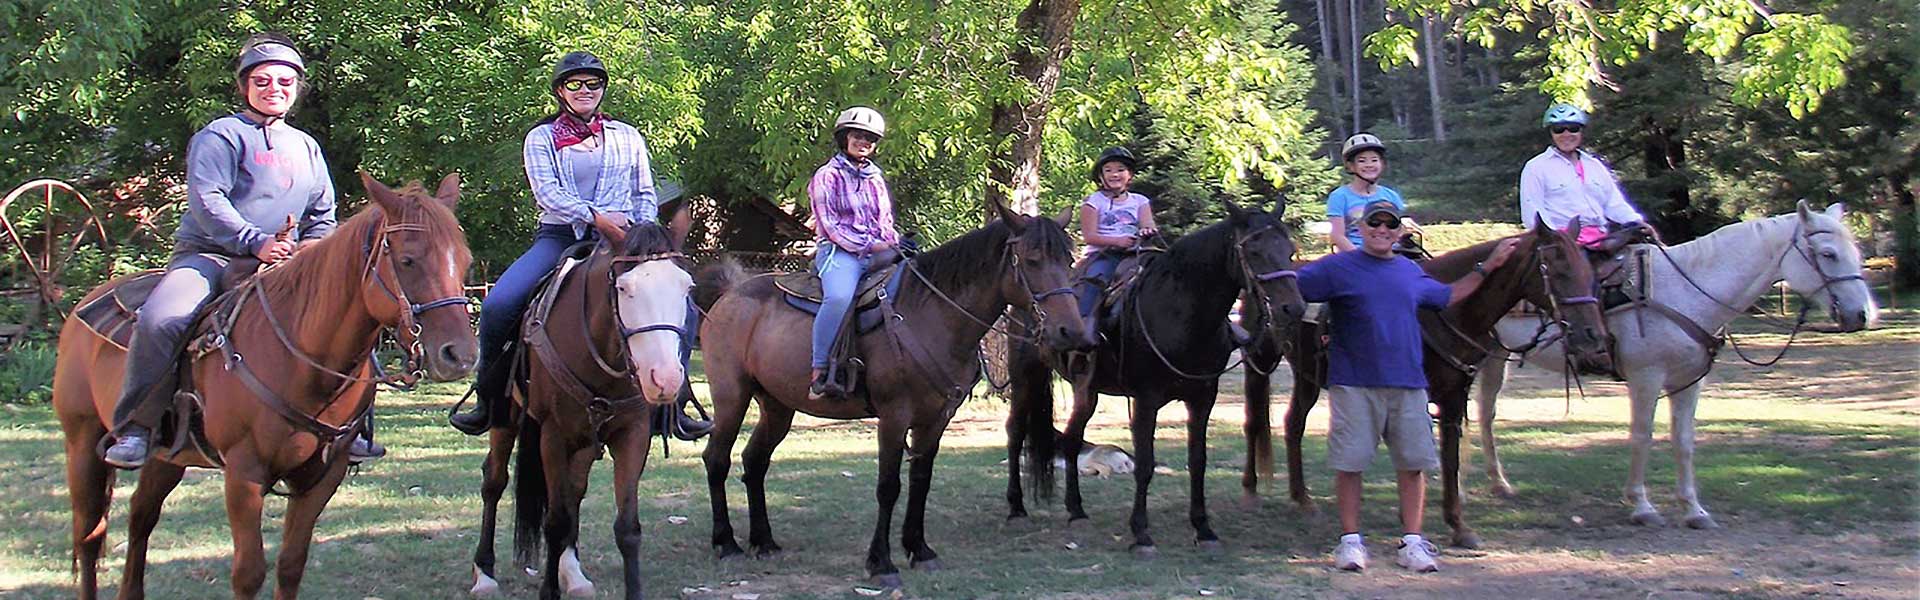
(1350, 555)
(1417, 555)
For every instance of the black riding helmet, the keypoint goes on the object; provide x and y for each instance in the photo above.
(1116, 153)
(576, 62)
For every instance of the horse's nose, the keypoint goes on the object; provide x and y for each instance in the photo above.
(666, 382)
(1293, 310)
(458, 357)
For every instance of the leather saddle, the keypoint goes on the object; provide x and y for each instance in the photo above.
(878, 285)
(1126, 275)
(113, 316)
(1620, 261)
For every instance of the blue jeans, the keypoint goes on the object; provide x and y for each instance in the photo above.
(191, 281)
(500, 311)
(1100, 270)
(840, 273)
(692, 339)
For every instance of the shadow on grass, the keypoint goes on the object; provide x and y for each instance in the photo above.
(404, 527)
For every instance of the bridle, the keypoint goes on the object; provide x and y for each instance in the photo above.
(406, 329)
(1249, 286)
(1019, 275)
(600, 407)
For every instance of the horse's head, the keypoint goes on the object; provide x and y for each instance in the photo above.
(1264, 250)
(1565, 290)
(1040, 261)
(650, 298)
(416, 273)
(1824, 267)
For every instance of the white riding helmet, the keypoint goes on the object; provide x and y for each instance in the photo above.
(1563, 113)
(861, 118)
(1361, 141)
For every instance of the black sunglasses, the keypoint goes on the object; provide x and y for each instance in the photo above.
(574, 85)
(1384, 223)
(1566, 129)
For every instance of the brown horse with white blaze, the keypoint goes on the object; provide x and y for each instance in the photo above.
(280, 403)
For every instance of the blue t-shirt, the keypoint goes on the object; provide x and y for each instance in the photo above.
(1343, 202)
(1373, 316)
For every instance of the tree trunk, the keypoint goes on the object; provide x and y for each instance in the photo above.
(1353, 59)
(1906, 232)
(1329, 65)
(1434, 64)
(1047, 25)
(1664, 154)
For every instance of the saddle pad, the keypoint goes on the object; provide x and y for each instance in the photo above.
(866, 315)
(805, 285)
(111, 315)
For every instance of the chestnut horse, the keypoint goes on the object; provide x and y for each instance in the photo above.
(1547, 269)
(918, 370)
(295, 333)
(606, 353)
(1169, 343)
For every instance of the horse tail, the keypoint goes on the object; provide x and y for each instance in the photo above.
(715, 280)
(1031, 387)
(529, 493)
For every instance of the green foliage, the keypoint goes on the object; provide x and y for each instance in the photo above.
(26, 373)
(1794, 58)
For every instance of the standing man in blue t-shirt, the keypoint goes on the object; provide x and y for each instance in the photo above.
(1375, 385)
(1365, 158)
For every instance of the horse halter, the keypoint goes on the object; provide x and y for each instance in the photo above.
(626, 333)
(1252, 280)
(1826, 281)
(1019, 275)
(1552, 315)
(407, 326)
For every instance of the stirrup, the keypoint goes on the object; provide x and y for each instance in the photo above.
(824, 388)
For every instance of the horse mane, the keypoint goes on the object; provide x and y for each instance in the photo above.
(1693, 254)
(326, 274)
(1451, 266)
(648, 238)
(960, 262)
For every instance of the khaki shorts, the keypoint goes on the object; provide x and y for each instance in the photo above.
(1363, 416)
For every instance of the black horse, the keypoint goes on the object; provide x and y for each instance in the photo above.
(1166, 339)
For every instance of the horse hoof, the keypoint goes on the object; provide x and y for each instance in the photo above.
(889, 581)
(584, 590)
(727, 552)
(1145, 552)
(1077, 523)
(483, 586)
(929, 565)
(1504, 491)
(1018, 520)
(1306, 507)
(1702, 521)
(767, 552)
(1649, 519)
(1467, 539)
(1209, 546)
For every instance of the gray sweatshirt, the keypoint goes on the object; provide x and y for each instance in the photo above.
(244, 180)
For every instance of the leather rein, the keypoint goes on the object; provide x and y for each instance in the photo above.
(1250, 286)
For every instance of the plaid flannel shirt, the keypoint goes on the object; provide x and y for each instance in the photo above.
(626, 179)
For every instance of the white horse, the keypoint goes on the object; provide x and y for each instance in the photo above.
(1708, 282)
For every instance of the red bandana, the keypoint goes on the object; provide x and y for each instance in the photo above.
(569, 130)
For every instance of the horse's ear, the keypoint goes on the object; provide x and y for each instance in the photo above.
(1015, 221)
(1066, 218)
(1806, 212)
(1235, 215)
(449, 191)
(1835, 210)
(380, 193)
(1573, 224)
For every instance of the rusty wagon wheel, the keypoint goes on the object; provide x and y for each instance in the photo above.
(43, 235)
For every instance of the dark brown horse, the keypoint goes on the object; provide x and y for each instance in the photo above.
(1169, 343)
(333, 298)
(1547, 269)
(600, 355)
(915, 376)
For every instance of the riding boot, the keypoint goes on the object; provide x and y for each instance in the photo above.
(129, 450)
(685, 426)
(491, 382)
(1241, 337)
(823, 387)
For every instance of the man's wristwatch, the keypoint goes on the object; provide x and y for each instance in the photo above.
(1481, 268)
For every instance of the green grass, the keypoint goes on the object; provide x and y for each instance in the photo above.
(404, 528)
